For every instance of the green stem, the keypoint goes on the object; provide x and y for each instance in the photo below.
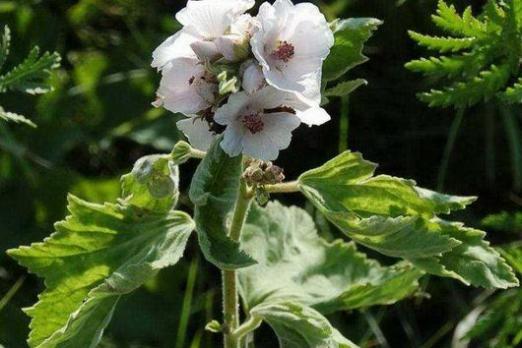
(187, 304)
(285, 187)
(247, 327)
(230, 293)
(10, 294)
(344, 124)
(197, 154)
(450, 144)
(515, 145)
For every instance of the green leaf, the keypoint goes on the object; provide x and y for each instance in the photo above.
(213, 191)
(16, 118)
(344, 88)
(473, 262)
(513, 254)
(448, 19)
(97, 254)
(505, 222)
(295, 264)
(298, 326)
(32, 74)
(470, 92)
(152, 176)
(396, 218)
(350, 37)
(442, 44)
(5, 45)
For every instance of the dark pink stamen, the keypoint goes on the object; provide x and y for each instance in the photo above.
(285, 51)
(253, 123)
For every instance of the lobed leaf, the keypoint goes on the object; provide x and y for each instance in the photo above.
(442, 44)
(396, 218)
(97, 254)
(295, 264)
(347, 52)
(16, 118)
(213, 191)
(31, 75)
(448, 19)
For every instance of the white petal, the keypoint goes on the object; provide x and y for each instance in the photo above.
(228, 113)
(212, 18)
(233, 138)
(176, 46)
(197, 132)
(253, 78)
(276, 136)
(205, 50)
(177, 92)
(315, 116)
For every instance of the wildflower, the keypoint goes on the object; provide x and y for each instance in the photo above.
(291, 44)
(258, 125)
(186, 87)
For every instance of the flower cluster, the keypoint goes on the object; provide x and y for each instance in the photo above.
(255, 79)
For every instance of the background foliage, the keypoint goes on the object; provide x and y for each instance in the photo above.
(98, 121)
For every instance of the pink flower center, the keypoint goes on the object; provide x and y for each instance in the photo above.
(285, 51)
(253, 122)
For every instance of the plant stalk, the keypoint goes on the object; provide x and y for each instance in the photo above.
(448, 150)
(230, 293)
(285, 187)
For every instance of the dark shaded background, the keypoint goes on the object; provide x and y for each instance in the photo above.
(98, 121)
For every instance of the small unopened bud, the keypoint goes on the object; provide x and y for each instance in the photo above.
(214, 326)
(181, 152)
(260, 173)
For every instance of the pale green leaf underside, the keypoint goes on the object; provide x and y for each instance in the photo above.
(343, 89)
(213, 191)
(399, 219)
(295, 264)
(350, 37)
(299, 326)
(97, 254)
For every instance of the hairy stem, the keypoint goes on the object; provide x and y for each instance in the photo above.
(247, 327)
(197, 154)
(230, 294)
(452, 137)
(286, 187)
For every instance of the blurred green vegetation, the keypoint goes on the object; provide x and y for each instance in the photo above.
(99, 120)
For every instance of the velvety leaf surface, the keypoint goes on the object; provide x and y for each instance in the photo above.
(97, 254)
(295, 264)
(213, 191)
(350, 37)
(399, 219)
(299, 326)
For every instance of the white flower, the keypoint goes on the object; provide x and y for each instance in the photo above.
(197, 131)
(258, 125)
(203, 22)
(186, 87)
(291, 45)
(235, 45)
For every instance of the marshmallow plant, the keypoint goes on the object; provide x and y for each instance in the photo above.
(244, 83)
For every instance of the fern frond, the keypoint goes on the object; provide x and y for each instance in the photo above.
(470, 92)
(442, 44)
(32, 74)
(513, 94)
(438, 66)
(16, 118)
(5, 45)
(449, 20)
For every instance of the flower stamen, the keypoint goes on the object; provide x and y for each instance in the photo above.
(285, 51)
(253, 122)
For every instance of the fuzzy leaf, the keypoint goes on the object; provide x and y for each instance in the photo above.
(32, 74)
(398, 219)
(213, 191)
(350, 37)
(299, 326)
(16, 118)
(295, 264)
(344, 88)
(98, 254)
